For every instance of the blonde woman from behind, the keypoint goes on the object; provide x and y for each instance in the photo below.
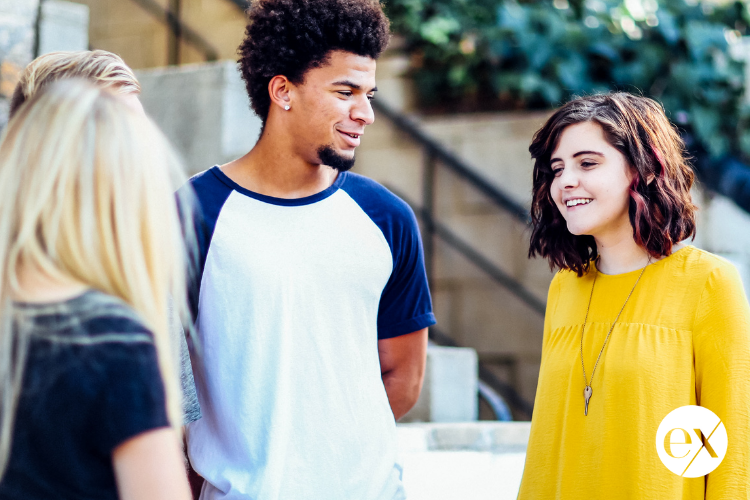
(90, 250)
(105, 69)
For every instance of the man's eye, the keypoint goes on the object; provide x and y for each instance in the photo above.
(345, 93)
(370, 97)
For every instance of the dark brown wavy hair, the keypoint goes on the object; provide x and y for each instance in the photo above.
(661, 211)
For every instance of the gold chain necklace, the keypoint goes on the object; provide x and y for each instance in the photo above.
(588, 391)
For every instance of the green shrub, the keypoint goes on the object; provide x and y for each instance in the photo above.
(477, 55)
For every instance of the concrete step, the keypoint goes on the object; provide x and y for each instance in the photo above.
(468, 461)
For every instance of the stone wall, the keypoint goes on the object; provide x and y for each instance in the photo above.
(127, 29)
(61, 26)
(204, 111)
(17, 39)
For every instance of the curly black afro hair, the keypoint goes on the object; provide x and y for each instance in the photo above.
(289, 37)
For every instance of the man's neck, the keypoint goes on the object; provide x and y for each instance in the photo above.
(273, 169)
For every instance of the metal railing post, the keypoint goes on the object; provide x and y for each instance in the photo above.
(428, 212)
(434, 231)
(175, 33)
(180, 30)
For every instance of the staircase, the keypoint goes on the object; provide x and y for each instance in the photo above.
(468, 179)
(487, 294)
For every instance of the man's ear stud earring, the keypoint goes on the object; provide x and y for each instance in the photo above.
(286, 108)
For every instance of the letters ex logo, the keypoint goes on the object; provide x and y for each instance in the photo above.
(691, 441)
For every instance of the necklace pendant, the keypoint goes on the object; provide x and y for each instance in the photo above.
(587, 392)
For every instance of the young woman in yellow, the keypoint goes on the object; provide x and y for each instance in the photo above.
(637, 324)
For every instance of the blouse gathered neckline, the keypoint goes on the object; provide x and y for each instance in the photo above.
(661, 262)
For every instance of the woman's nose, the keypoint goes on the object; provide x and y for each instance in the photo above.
(568, 178)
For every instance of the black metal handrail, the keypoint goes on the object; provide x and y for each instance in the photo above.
(511, 396)
(242, 4)
(454, 241)
(179, 29)
(435, 149)
(434, 153)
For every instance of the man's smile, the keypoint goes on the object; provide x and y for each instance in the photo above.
(350, 138)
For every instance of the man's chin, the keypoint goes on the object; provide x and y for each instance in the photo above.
(335, 159)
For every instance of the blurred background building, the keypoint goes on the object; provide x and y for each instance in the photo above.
(463, 86)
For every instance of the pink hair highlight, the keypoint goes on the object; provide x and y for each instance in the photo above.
(641, 209)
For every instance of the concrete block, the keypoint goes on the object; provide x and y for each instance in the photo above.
(449, 393)
(203, 109)
(63, 26)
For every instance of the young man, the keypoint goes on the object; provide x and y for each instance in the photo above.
(313, 304)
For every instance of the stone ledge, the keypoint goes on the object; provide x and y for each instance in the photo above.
(493, 437)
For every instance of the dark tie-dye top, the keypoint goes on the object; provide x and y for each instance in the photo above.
(91, 382)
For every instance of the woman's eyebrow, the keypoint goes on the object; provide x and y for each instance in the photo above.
(587, 153)
(553, 160)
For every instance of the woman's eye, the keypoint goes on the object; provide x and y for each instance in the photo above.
(557, 171)
(587, 164)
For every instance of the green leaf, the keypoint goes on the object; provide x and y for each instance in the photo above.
(439, 29)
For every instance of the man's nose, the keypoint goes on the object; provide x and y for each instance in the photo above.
(362, 112)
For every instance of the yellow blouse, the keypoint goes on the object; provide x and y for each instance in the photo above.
(683, 339)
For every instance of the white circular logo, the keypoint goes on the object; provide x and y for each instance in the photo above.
(691, 441)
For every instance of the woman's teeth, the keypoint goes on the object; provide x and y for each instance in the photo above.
(578, 201)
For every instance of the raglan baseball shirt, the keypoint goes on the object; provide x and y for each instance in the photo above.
(292, 298)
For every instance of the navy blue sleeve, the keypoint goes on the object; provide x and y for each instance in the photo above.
(207, 193)
(405, 305)
(132, 399)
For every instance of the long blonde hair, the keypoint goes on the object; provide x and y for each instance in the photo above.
(87, 192)
(105, 69)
